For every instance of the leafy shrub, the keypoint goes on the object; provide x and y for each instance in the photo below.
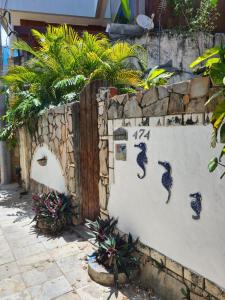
(114, 252)
(214, 66)
(52, 211)
(61, 65)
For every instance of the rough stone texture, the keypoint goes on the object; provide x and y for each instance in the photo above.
(199, 87)
(215, 291)
(132, 109)
(174, 267)
(163, 92)
(150, 97)
(194, 278)
(181, 87)
(160, 258)
(196, 105)
(55, 130)
(159, 108)
(176, 104)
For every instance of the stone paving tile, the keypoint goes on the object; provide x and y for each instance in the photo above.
(50, 289)
(41, 273)
(26, 263)
(29, 250)
(11, 285)
(8, 270)
(24, 295)
(36, 267)
(69, 296)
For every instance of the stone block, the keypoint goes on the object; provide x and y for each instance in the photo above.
(176, 104)
(182, 87)
(110, 144)
(129, 122)
(196, 106)
(150, 97)
(120, 98)
(163, 92)
(118, 123)
(196, 297)
(139, 96)
(194, 278)
(159, 108)
(173, 120)
(156, 121)
(186, 99)
(214, 290)
(138, 121)
(160, 258)
(174, 267)
(111, 176)
(166, 286)
(199, 87)
(59, 109)
(102, 128)
(143, 249)
(111, 160)
(102, 195)
(112, 111)
(132, 109)
(103, 159)
(110, 127)
(193, 119)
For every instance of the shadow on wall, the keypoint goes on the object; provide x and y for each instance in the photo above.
(46, 169)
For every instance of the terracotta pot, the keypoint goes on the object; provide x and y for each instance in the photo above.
(113, 92)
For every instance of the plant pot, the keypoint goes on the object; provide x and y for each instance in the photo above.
(51, 228)
(99, 274)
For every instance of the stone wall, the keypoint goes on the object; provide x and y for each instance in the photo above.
(180, 104)
(180, 49)
(54, 129)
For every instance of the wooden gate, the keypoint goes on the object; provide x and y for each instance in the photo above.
(89, 153)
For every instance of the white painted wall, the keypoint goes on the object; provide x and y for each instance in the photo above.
(50, 175)
(169, 228)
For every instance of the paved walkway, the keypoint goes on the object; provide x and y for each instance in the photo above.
(43, 268)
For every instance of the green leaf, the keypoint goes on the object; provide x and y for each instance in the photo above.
(222, 153)
(214, 96)
(126, 9)
(217, 73)
(206, 55)
(213, 164)
(222, 134)
(218, 115)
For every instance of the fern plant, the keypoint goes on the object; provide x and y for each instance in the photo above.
(60, 67)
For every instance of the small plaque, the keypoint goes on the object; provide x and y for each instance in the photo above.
(120, 134)
(121, 152)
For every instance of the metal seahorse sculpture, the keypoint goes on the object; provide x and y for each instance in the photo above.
(142, 159)
(196, 205)
(167, 180)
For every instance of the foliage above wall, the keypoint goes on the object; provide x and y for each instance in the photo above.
(214, 66)
(59, 68)
(195, 17)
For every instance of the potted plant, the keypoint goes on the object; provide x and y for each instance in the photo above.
(52, 212)
(114, 252)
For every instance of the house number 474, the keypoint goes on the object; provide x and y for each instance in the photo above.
(141, 133)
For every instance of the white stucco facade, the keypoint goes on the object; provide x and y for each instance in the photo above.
(50, 175)
(140, 204)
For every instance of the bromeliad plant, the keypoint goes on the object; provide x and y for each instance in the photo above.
(214, 66)
(52, 212)
(60, 67)
(114, 252)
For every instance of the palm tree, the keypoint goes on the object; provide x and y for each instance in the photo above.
(60, 67)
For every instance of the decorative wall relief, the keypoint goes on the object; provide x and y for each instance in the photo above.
(174, 120)
(120, 134)
(196, 205)
(142, 159)
(190, 121)
(167, 180)
(121, 152)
